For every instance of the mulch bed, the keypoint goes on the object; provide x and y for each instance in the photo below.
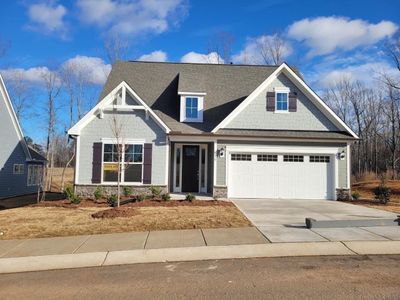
(67, 204)
(118, 212)
(171, 203)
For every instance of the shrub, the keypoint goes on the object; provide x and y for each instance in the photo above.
(140, 197)
(166, 197)
(127, 190)
(155, 191)
(71, 196)
(355, 195)
(382, 193)
(190, 197)
(112, 200)
(98, 193)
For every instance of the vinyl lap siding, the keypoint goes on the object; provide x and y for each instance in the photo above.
(135, 126)
(307, 116)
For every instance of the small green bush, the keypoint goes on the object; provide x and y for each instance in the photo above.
(98, 193)
(71, 196)
(190, 197)
(155, 191)
(140, 197)
(355, 195)
(382, 193)
(127, 190)
(112, 200)
(166, 197)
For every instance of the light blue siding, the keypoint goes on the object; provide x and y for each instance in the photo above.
(134, 127)
(307, 116)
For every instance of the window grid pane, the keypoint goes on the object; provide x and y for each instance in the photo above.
(267, 157)
(320, 158)
(191, 108)
(281, 101)
(241, 156)
(293, 158)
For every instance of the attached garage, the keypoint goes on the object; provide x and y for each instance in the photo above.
(281, 175)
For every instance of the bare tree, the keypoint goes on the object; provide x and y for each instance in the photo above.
(21, 93)
(52, 87)
(392, 49)
(115, 48)
(272, 48)
(221, 44)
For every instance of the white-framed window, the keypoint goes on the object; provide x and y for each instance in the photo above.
(319, 158)
(131, 162)
(267, 157)
(35, 175)
(241, 156)
(282, 99)
(191, 108)
(18, 169)
(293, 158)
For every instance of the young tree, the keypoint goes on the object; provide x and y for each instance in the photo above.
(221, 44)
(21, 93)
(272, 49)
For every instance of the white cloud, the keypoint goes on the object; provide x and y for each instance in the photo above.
(252, 52)
(47, 18)
(194, 57)
(366, 72)
(154, 56)
(34, 75)
(133, 17)
(324, 35)
(94, 69)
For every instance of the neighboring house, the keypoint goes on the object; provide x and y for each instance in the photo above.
(21, 167)
(224, 130)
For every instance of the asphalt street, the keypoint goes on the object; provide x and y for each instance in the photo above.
(340, 277)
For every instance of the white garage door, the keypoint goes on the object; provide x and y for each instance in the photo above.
(287, 176)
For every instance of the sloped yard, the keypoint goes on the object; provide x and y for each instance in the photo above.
(365, 189)
(63, 220)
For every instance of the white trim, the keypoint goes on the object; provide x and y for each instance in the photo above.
(282, 91)
(14, 120)
(107, 100)
(200, 109)
(124, 141)
(123, 107)
(77, 158)
(302, 85)
(348, 158)
(192, 93)
(215, 163)
(167, 150)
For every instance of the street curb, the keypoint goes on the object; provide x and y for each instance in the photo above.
(112, 258)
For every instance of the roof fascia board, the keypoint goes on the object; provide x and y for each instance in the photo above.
(14, 118)
(76, 129)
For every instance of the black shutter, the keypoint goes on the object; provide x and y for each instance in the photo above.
(292, 102)
(96, 163)
(147, 160)
(270, 101)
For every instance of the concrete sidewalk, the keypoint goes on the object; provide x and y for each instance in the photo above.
(163, 246)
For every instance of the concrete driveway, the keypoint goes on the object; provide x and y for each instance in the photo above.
(284, 220)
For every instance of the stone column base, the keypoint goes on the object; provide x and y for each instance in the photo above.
(220, 192)
(343, 194)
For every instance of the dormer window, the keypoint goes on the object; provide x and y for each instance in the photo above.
(191, 107)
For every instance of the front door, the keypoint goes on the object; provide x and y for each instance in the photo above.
(190, 169)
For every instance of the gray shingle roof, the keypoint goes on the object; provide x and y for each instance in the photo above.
(158, 84)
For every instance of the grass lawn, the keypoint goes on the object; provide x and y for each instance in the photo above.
(365, 189)
(51, 221)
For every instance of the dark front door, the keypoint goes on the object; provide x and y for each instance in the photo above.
(190, 169)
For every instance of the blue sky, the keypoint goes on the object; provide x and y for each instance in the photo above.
(325, 39)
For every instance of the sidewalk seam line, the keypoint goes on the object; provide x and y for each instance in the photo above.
(81, 244)
(356, 253)
(16, 247)
(204, 238)
(327, 240)
(389, 239)
(102, 264)
(147, 237)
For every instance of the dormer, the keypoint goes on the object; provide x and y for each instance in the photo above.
(191, 107)
(191, 89)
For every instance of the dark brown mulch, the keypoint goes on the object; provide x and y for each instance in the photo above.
(118, 212)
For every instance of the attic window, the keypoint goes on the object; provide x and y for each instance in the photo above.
(191, 108)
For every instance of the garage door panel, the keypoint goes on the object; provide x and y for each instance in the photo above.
(297, 177)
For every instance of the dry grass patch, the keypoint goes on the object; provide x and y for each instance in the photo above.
(365, 189)
(35, 222)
